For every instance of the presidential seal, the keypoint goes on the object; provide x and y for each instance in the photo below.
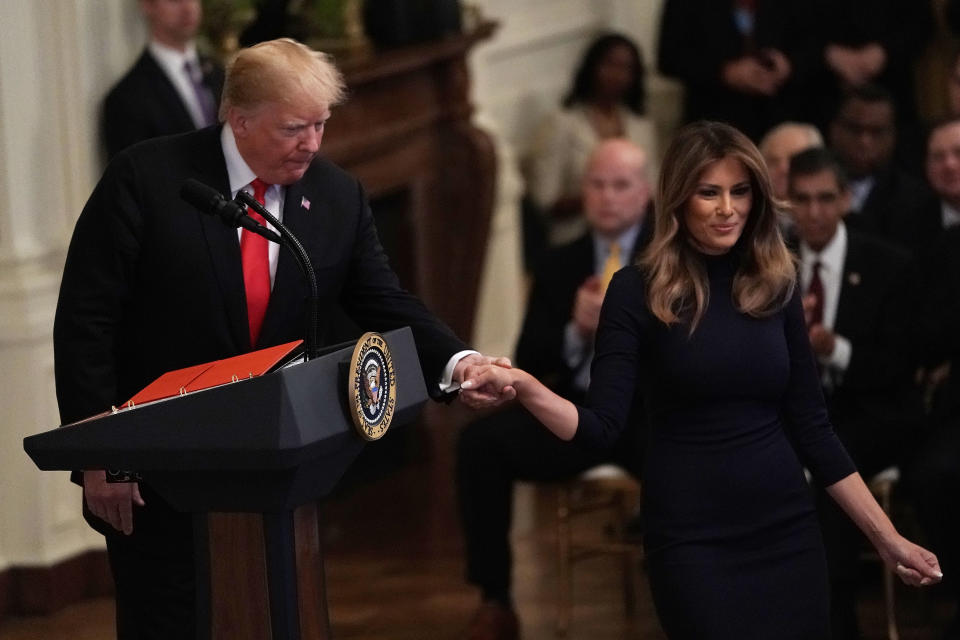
(372, 387)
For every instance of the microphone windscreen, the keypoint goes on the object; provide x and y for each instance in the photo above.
(201, 196)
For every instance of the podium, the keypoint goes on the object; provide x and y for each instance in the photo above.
(250, 460)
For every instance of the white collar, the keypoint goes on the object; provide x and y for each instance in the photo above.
(239, 172)
(832, 254)
(625, 240)
(172, 59)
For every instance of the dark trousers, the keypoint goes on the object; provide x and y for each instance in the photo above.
(492, 454)
(154, 574)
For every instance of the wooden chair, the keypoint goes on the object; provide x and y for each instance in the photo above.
(882, 485)
(609, 494)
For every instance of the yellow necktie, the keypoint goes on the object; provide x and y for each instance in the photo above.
(611, 266)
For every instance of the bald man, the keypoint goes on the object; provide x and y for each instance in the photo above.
(556, 345)
(782, 143)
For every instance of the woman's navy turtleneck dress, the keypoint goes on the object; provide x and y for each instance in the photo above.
(735, 413)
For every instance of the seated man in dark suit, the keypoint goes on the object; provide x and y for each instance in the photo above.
(943, 174)
(933, 476)
(151, 284)
(854, 288)
(557, 343)
(884, 200)
(171, 88)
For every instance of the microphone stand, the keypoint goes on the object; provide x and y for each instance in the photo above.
(294, 245)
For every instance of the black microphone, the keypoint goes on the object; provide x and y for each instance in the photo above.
(210, 201)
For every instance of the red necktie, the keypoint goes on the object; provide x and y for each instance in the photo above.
(815, 289)
(255, 254)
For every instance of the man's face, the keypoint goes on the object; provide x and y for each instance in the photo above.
(943, 162)
(172, 22)
(777, 151)
(862, 135)
(279, 141)
(818, 205)
(615, 194)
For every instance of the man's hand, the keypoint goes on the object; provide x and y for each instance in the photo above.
(747, 75)
(780, 65)
(586, 306)
(485, 396)
(856, 65)
(822, 340)
(111, 502)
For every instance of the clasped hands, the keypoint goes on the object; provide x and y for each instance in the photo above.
(485, 394)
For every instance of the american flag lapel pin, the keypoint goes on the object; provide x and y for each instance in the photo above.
(304, 203)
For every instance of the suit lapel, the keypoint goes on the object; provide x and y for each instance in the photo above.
(290, 290)
(167, 94)
(850, 287)
(210, 168)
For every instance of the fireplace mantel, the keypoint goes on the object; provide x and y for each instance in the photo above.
(405, 129)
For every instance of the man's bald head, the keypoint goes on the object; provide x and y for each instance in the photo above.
(616, 188)
(782, 143)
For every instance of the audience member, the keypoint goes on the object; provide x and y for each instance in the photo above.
(740, 61)
(171, 88)
(943, 175)
(854, 300)
(607, 100)
(782, 143)
(884, 199)
(868, 42)
(557, 343)
(934, 476)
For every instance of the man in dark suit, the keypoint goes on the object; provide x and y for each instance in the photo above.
(151, 284)
(933, 476)
(556, 345)
(740, 61)
(854, 288)
(885, 200)
(171, 88)
(943, 176)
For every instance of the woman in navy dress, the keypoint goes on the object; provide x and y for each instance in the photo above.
(708, 330)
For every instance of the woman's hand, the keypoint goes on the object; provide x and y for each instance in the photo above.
(492, 380)
(915, 565)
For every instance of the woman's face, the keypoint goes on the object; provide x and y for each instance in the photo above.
(615, 72)
(717, 211)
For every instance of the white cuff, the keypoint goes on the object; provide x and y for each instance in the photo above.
(447, 385)
(839, 360)
(574, 345)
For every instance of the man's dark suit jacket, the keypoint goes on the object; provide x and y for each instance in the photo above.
(899, 210)
(144, 104)
(875, 401)
(697, 37)
(151, 284)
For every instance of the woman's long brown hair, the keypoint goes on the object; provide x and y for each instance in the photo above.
(677, 286)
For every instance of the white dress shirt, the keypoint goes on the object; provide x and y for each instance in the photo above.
(172, 63)
(949, 215)
(832, 258)
(240, 175)
(860, 191)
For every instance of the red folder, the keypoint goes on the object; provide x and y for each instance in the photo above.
(212, 374)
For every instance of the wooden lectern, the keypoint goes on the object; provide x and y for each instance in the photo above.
(250, 459)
